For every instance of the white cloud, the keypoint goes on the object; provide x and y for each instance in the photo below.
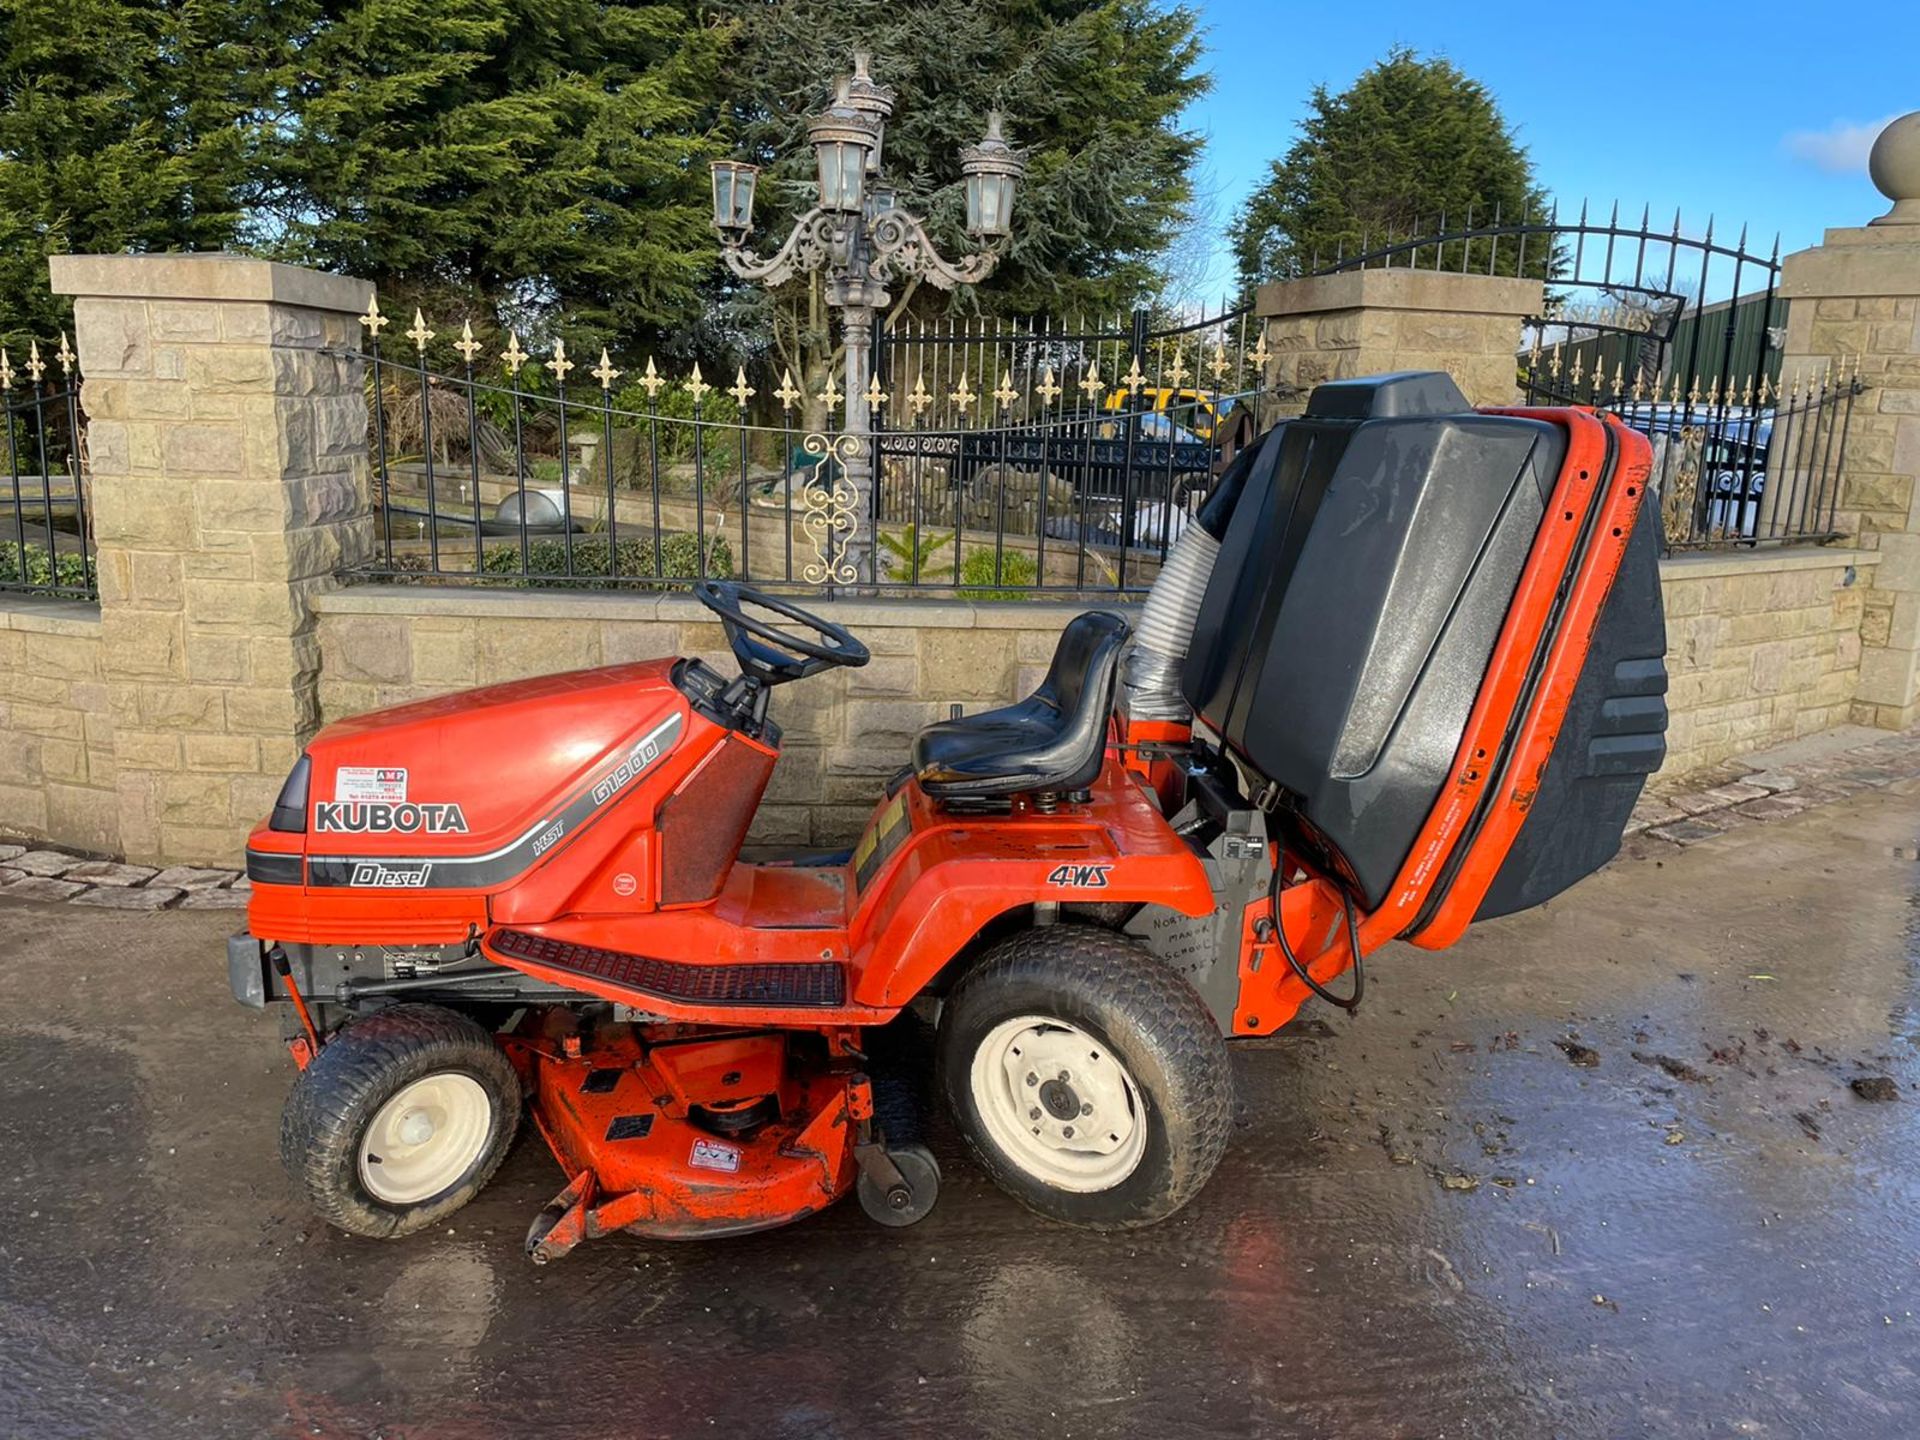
(1840, 149)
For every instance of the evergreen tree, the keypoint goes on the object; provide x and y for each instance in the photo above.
(1092, 91)
(543, 160)
(122, 127)
(1409, 142)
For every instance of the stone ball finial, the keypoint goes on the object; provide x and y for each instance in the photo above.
(1894, 165)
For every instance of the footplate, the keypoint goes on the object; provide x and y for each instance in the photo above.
(804, 985)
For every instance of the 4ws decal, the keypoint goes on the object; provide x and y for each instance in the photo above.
(1080, 877)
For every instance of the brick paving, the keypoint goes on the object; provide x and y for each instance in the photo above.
(1689, 811)
(40, 872)
(1705, 805)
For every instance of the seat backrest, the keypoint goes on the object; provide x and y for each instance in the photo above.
(1087, 657)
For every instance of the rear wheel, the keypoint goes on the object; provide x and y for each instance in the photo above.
(1089, 1081)
(399, 1120)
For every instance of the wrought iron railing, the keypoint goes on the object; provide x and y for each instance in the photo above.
(987, 481)
(46, 542)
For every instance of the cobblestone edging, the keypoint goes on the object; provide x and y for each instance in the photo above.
(27, 874)
(1741, 793)
(1727, 798)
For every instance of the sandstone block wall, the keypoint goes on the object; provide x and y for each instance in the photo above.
(56, 726)
(1760, 649)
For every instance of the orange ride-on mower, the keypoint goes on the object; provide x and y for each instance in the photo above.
(1404, 672)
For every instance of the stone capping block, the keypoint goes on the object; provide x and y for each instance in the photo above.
(1390, 289)
(42, 616)
(1713, 564)
(210, 276)
(924, 614)
(1858, 260)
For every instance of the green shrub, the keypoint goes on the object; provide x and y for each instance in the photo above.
(909, 555)
(977, 572)
(719, 432)
(547, 556)
(39, 570)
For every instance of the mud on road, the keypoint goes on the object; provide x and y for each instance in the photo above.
(1604, 1169)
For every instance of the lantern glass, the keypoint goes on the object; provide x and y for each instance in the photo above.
(989, 205)
(733, 186)
(843, 173)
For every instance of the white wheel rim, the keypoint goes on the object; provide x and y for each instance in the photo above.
(1058, 1104)
(425, 1138)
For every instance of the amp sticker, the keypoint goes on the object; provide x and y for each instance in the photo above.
(366, 782)
(1079, 877)
(712, 1155)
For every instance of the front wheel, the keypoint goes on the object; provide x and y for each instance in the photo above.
(1089, 1080)
(399, 1120)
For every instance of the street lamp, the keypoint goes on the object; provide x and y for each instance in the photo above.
(860, 238)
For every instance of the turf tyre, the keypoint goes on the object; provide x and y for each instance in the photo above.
(1151, 1020)
(336, 1098)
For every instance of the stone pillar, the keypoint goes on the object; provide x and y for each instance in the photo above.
(1366, 322)
(227, 438)
(1854, 305)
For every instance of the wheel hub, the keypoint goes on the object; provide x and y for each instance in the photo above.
(428, 1135)
(1058, 1103)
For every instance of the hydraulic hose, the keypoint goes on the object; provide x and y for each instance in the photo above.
(1345, 1002)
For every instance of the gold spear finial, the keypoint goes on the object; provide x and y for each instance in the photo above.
(788, 391)
(1133, 379)
(1005, 393)
(604, 371)
(513, 356)
(373, 319)
(36, 367)
(1219, 364)
(6, 371)
(741, 391)
(560, 364)
(650, 380)
(876, 397)
(831, 393)
(964, 396)
(420, 334)
(1092, 385)
(466, 344)
(696, 385)
(918, 399)
(1048, 389)
(1177, 372)
(65, 355)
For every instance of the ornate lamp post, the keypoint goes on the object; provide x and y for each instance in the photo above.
(861, 240)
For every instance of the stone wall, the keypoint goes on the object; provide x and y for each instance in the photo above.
(1760, 649)
(56, 726)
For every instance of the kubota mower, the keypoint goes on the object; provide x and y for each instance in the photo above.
(1403, 673)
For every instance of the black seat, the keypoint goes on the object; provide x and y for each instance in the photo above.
(1052, 740)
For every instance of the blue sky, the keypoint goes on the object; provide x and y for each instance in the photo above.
(1754, 112)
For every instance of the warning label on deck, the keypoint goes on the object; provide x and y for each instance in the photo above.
(712, 1155)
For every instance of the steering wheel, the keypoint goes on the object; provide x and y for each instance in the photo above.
(767, 652)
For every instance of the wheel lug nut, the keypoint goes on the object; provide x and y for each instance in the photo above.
(1034, 1113)
(1086, 1109)
(1068, 1132)
(1032, 1079)
(1064, 1077)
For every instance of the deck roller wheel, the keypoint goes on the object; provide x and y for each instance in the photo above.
(399, 1120)
(907, 1199)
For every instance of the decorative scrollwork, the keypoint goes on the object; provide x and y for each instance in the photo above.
(818, 236)
(832, 517)
(901, 246)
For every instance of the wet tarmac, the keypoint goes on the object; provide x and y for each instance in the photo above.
(1598, 1171)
